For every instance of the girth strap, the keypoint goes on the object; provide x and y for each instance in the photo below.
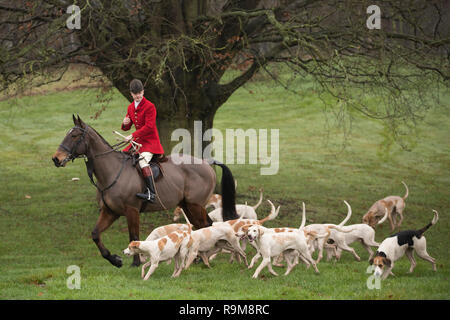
(90, 171)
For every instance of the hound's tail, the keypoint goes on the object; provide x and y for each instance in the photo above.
(228, 193)
(407, 192)
(302, 225)
(435, 219)
(337, 228)
(273, 213)
(188, 222)
(349, 214)
(385, 216)
(313, 235)
(260, 199)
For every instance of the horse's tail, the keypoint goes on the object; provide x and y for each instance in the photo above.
(228, 193)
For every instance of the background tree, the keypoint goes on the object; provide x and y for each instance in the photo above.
(182, 49)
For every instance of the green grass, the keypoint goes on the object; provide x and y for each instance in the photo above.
(46, 219)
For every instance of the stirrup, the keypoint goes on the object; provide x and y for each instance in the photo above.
(149, 196)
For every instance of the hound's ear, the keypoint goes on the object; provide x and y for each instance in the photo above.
(261, 231)
(75, 122)
(387, 262)
(371, 261)
(134, 244)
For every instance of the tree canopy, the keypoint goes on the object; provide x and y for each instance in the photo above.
(181, 50)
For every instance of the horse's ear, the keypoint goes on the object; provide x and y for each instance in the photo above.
(81, 123)
(74, 120)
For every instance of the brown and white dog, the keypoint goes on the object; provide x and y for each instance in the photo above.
(394, 204)
(237, 224)
(399, 244)
(172, 246)
(165, 230)
(208, 241)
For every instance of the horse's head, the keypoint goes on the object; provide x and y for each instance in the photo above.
(73, 145)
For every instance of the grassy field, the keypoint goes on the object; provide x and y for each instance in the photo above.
(46, 219)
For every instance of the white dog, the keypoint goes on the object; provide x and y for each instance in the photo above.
(320, 243)
(362, 232)
(243, 210)
(271, 244)
(403, 242)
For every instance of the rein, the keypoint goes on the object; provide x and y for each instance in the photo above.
(89, 161)
(90, 170)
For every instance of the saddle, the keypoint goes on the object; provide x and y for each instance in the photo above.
(155, 165)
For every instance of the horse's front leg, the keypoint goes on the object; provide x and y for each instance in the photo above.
(132, 215)
(105, 220)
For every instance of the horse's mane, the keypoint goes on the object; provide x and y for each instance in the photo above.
(100, 136)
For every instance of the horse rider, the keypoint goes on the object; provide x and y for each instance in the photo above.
(142, 113)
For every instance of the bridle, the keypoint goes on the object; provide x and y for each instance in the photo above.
(72, 152)
(90, 161)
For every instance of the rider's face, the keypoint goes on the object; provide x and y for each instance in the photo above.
(137, 96)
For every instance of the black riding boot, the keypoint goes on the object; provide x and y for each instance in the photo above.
(150, 194)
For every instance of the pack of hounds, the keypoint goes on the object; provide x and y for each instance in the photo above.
(180, 243)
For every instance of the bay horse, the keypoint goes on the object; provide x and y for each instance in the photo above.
(188, 185)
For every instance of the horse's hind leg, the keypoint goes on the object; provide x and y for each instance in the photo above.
(132, 215)
(105, 220)
(196, 215)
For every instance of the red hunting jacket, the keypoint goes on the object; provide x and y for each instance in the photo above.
(144, 119)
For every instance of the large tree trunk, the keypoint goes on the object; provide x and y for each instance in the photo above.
(167, 126)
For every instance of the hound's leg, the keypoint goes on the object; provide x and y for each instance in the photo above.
(269, 266)
(421, 250)
(204, 259)
(277, 261)
(254, 260)
(143, 268)
(367, 247)
(176, 264)
(308, 257)
(321, 243)
(338, 253)
(290, 257)
(400, 213)
(388, 271)
(264, 263)
(345, 246)
(390, 214)
(410, 254)
(151, 270)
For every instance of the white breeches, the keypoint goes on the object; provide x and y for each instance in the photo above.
(146, 157)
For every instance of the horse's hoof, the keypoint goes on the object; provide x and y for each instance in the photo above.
(116, 261)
